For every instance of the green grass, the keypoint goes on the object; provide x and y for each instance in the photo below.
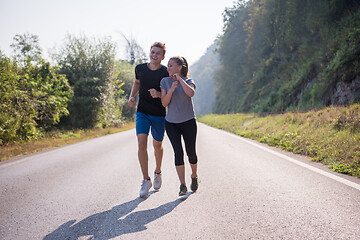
(56, 139)
(330, 136)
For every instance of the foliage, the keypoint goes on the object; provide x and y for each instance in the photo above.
(82, 92)
(330, 135)
(135, 53)
(26, 48)
(124, 79)
(278, 55)
(32, 99)
(89, 66)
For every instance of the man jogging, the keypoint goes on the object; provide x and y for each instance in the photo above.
(150, 113)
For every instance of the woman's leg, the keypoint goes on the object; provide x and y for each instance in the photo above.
(189, 131)
(174, 135)
(193, 170)
(181, 173)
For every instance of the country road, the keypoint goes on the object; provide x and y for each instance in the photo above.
(89, 190)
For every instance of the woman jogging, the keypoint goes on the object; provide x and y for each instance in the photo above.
(177, 91)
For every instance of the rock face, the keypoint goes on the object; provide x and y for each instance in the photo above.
(345, 92)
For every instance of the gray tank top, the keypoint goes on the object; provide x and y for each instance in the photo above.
(181, 107)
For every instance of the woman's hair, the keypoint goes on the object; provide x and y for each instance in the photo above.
(159, 45)
(181, 61)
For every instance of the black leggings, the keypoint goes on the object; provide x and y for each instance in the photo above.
(188, 130)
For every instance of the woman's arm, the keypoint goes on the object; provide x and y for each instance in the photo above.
(166, 97)
(189, 89)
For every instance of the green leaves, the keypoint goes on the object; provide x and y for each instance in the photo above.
(82, 92)
(32, 99)
(26, 48)
(89, 66)
(279, 55)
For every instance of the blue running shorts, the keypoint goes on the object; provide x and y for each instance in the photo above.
(144, 121)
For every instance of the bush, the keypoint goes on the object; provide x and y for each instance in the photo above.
(32, 99)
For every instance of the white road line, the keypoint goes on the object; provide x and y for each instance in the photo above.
(314, 169)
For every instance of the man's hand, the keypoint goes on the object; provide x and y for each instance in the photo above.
(154, 93)
(131, 101)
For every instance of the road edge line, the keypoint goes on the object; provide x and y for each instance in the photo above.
(314, 169)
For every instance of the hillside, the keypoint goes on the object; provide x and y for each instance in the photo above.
(203, 72)
(277, 56)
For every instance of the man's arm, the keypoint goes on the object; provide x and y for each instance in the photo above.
(134, 92)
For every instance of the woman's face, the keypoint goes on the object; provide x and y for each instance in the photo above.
(173, 68)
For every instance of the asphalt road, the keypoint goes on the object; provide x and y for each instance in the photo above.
(89, 190)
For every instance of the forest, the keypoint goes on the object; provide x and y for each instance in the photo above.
(276, 56)
(85, 87)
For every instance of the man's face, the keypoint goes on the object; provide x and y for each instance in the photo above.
(156, 55)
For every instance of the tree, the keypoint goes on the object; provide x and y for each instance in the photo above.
(124, 79)
(278, 55)
(89, 66)
(135, 53)
(33, 98)
(26, 47)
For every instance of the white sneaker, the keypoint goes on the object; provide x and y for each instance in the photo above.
(145, 187)
(157, 181)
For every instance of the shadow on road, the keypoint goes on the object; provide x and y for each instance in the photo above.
(110, 224)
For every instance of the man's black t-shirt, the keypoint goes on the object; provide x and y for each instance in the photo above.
(150, 79)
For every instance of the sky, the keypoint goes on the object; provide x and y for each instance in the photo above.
(187, 27)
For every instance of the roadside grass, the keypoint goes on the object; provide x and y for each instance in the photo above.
(330, 136)
(56, 139)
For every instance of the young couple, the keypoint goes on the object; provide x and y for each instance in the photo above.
(160, 87)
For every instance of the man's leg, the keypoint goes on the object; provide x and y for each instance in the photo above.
(157, 131)
(142, 132)
(158, 150)
(143, 154)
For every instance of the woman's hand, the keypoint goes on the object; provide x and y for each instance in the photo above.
(174, 85)
(177, 77)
